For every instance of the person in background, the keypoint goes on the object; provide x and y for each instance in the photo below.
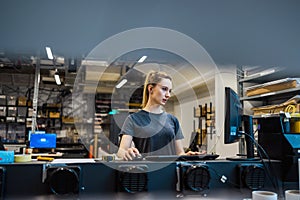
(152, 131)
(2, 148)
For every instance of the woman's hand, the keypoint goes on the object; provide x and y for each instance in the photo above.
(189, 153)
(131, 153)
(126, 150)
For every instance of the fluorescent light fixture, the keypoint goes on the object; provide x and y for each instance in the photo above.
(57, 78)
(60, 60)
(49, 53)
(119, 85)
(142, 59)
(94, 63)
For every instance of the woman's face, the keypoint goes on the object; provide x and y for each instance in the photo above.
(161, 92)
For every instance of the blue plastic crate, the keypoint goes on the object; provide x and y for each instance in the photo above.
(7, 156)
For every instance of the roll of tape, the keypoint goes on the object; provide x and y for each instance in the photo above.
(264, 195)
(22, 158)
(108, 158)
(292, 195)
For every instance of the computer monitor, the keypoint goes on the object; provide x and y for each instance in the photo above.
(194, 142)
(36, 132)
(233, 116)
(42, 141)
(236, 124)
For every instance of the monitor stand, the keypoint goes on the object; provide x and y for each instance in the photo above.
(248, 128)
(240, 157)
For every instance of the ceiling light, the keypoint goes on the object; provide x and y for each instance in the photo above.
(49, 53)
(94, 63)
(59, 60)
(57, 78)
(123, 81)
(142, 59)
(119, 85)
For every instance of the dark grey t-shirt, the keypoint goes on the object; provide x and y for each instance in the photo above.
(153, 134)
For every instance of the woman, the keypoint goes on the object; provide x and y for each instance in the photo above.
(152, 131)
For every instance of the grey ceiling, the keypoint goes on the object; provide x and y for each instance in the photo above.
(233, 31)
(264, 33)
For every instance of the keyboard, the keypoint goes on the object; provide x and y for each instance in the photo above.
(182, 157)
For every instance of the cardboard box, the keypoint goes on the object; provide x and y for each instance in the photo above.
(11, 100)
(22, 101)
(3, 100)
(291, 106)
(2, 111)
(272, 86)
(54, 114)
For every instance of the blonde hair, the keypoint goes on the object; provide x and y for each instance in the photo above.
(152, 78)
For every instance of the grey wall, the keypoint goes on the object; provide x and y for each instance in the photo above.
(233, 31)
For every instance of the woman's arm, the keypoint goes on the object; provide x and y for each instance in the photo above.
(180, 150)
(126, 151)
(179, 147)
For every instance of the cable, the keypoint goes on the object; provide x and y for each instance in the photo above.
(261, 150)
(290, 109)
(215, 144)
(221, 177)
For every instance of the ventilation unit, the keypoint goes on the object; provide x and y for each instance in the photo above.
(251, 176)
(193, 177)
(63, 180)
(2, 182)
(133, 178)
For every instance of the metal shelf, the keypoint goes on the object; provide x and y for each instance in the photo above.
(261, 96)
(265, 116)
(263, 76)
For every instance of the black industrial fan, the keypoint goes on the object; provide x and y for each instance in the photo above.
(133, 178)
(252, 176)
(2, 181)
(63, 180)
(194, 177)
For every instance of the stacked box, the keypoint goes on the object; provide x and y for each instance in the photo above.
(22, 111)
(2, 100)
(11, 100)
(30, 112)
(28, 122)
(272, 86)
(3, 131)
(21, 119)
(20, 133)
(11, 111)
(11, 133)
(2, 111)
(54, 114)
(22, 101)
(10, 119)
